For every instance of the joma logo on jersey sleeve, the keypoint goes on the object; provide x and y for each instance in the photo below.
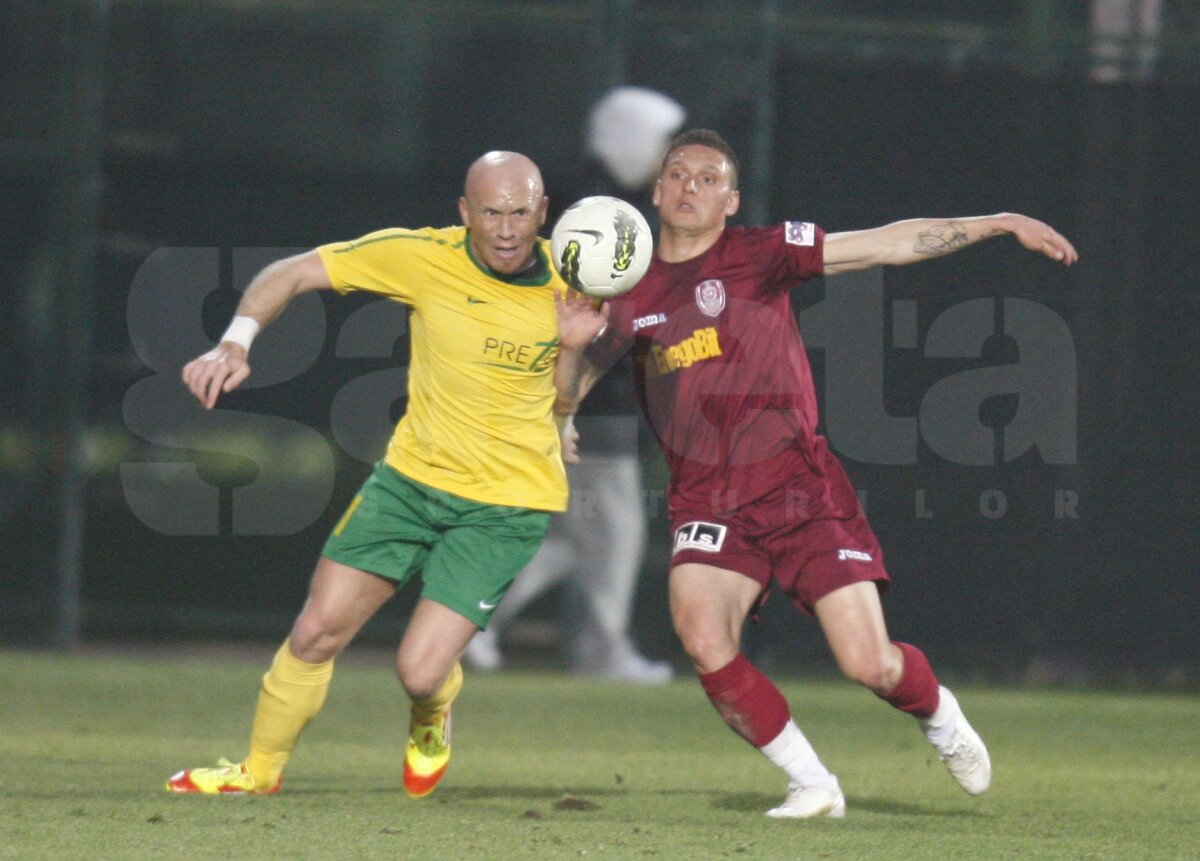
(701, 344)
(519, 357)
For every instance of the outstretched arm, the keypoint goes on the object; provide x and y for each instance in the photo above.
(919, 239)
(226, 366)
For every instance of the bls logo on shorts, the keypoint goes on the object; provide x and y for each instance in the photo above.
(698, 535)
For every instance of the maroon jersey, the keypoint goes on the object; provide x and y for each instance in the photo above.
(722, 374)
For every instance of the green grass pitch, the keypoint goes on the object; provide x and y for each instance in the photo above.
(548, 766)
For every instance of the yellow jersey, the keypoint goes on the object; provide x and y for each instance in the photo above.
(481, 378)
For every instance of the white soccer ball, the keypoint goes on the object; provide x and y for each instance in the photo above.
(602, 246)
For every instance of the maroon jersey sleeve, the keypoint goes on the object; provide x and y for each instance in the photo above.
(616, 339)
(797, 252)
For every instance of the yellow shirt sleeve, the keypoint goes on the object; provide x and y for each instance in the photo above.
(384, 262)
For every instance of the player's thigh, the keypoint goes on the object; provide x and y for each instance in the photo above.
(388, 528)
(340, 601)
(433, 641)
(826, 547)
(472, 566)
(708, 608)
(853, 622)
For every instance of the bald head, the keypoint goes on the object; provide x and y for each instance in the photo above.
(517, 173)
(503, 206)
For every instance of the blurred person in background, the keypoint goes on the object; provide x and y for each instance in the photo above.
(597, 546)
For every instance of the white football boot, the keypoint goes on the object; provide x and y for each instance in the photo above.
(958, 745)
(810, 802)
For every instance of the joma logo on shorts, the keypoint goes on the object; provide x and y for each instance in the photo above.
(698, 535)
(856, 555)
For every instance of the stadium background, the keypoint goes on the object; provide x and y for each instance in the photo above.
(230, 130)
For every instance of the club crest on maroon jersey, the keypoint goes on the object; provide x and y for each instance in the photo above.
(710, 297)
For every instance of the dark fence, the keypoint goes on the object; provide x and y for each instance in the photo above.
(1024, 438)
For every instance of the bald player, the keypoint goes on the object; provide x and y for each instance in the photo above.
(470, 476)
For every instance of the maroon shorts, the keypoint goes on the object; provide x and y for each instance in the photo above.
(810, 536)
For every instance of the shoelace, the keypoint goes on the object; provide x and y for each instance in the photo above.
(963, 754)
(430, 738)
(232, 774)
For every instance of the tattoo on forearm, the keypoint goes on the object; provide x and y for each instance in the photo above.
(941, 238)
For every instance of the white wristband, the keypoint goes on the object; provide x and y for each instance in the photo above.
(242, 331)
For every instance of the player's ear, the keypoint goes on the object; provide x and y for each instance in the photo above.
(463, 211)
(656, 195)
(543, 209)
(735, 200)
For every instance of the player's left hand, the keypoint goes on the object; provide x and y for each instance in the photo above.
(581, 319)
(1041, 237)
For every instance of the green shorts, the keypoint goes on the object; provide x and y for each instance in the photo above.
(468, 552)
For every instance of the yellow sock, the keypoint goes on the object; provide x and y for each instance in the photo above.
(291, 695)
(424, 711)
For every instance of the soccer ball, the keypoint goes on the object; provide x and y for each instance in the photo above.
(602, 246)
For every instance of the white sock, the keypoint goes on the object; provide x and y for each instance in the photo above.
(791, 751)
(939, 727)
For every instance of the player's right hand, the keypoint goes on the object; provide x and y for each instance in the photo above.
(569, 437)
(221, 369)
(580, 319)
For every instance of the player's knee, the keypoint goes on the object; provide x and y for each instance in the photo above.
(417, 681)
(312, 641)
(420, 676)
(873, 671)
(708, 650)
